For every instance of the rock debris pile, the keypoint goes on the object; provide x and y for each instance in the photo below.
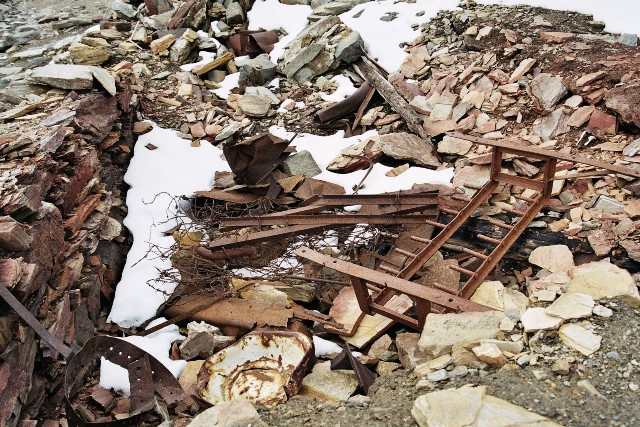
(258, 334)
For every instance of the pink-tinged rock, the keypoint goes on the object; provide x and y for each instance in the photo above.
(590, 78)
(197, 130)
(416, 61)
(522, 69)
(625, 101)
(603, 121)
(581, 116)
(556, 37)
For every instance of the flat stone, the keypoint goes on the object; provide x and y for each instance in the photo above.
(323, 383)
(537, 319)
(513, 347)
(189, 377)
(474, 98)
(180, 51)
(522, 69)
(433, 365)
(441, 112)
(571, 306)
(490, 354)
(233, 413)
(603, 121)
(603, 280)
(415, 61)
(407, 146)
(64, 76)
(580, 339)
(548, 89)
(451, 145)
(632, 149)
(443, 331)
(625, 101)
(602, 311)
(590, 78)
(123, 8)
(555, 258)
(437, 376)
(384, 368)
(552, 125)
(556, 37)
(254, 106)
(86, 55)
(163, 43)
(581, 116)
(421, 104)
(349, 48)
(353, 157)
(469, 406)
(561, 367)
(574, 101)
(493, 294)
(105, 79)
(140, 128)
(301, 163)
(476, 175)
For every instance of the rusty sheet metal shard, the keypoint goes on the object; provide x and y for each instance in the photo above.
(346, 360)
(253, 159)
(252, 43)
(265, 367)
(346, 106)
(147, 376)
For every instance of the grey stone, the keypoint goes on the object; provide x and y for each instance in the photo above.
(406, 146)
(264, 92)
(180, 50)
(301, 163)
(104, 78)
(350, 47)
(64, 76)
(632, 149)
(458, 371)
(613, 355)
(303, 2)
(628, 39)
(548, 89)
(123, 8)
(606, 204)
(235, 14)
(203, 345)
(439, 375)
(552, 125)
(257, 72)
(336, 7)
(254, 105)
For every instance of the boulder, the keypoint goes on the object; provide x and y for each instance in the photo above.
(625, 101)
(548, 89)
(257, 72)
(603, 280)
(407, 146)
(555, 258)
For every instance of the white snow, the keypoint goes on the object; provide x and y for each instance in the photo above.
(324, 347)
(157, 344)
(621, 16)
(272, 15)
(230, 82)
(206, 57)
(156, 177)
(344, 90)
(382, 39)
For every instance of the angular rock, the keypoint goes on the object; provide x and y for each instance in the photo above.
(12, 236)
(603, 121)
(349, 48)
(353, 158)
(555, 258)
(571, 306)
(579, 338)
(433, 365)
(625, 101)
(234, 413)
(409, 352)
(235, 14)
(548, 89)
(590, 78)
(603, 280)
(123, 9)
(163, 43)
(521, 70)
(254, 106)
(561, 367)
(451, 145)
(472, 407)
(443, 331)
(490, 354)
(632, 149)
(581, 116)
(537, 319)
(257, 72)
(105, 79)
(301, 163)
(180, 50)
(628, 39)
(552, 125)
(64, 76)
(86, 55)
(495, 295)
(323, 383)
(556, 37)
(407, 146)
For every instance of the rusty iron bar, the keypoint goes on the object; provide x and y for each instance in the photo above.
(424, 199)
(347, 219)
(538, 153)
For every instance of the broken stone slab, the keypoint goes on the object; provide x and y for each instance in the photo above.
(476, 175)
(625, 101)
(490, 354)
(521, 70)
(407, 146)
(204, 344)
(257, 72)
(581, 116)
(263, 366)
(603, 280)
(603, 121)
(433, 365)
(452, 145)
(537, 319)
(254, 105)
(122, 8)
(571, 306)
(323, 383)
(555, 258)
(64, 76)
(632, 149)
(354, 157)
(409, 353)
(548, 89)
(162, 44)
(579, 338)
(301, 163)
(443, 331)
(628, 39)
(105, 79)
(470, 406)
(335, 7)
(320, 47)
(86, 55)
(234, 413)
(493, 294)
(556, 37)
(552, 125)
